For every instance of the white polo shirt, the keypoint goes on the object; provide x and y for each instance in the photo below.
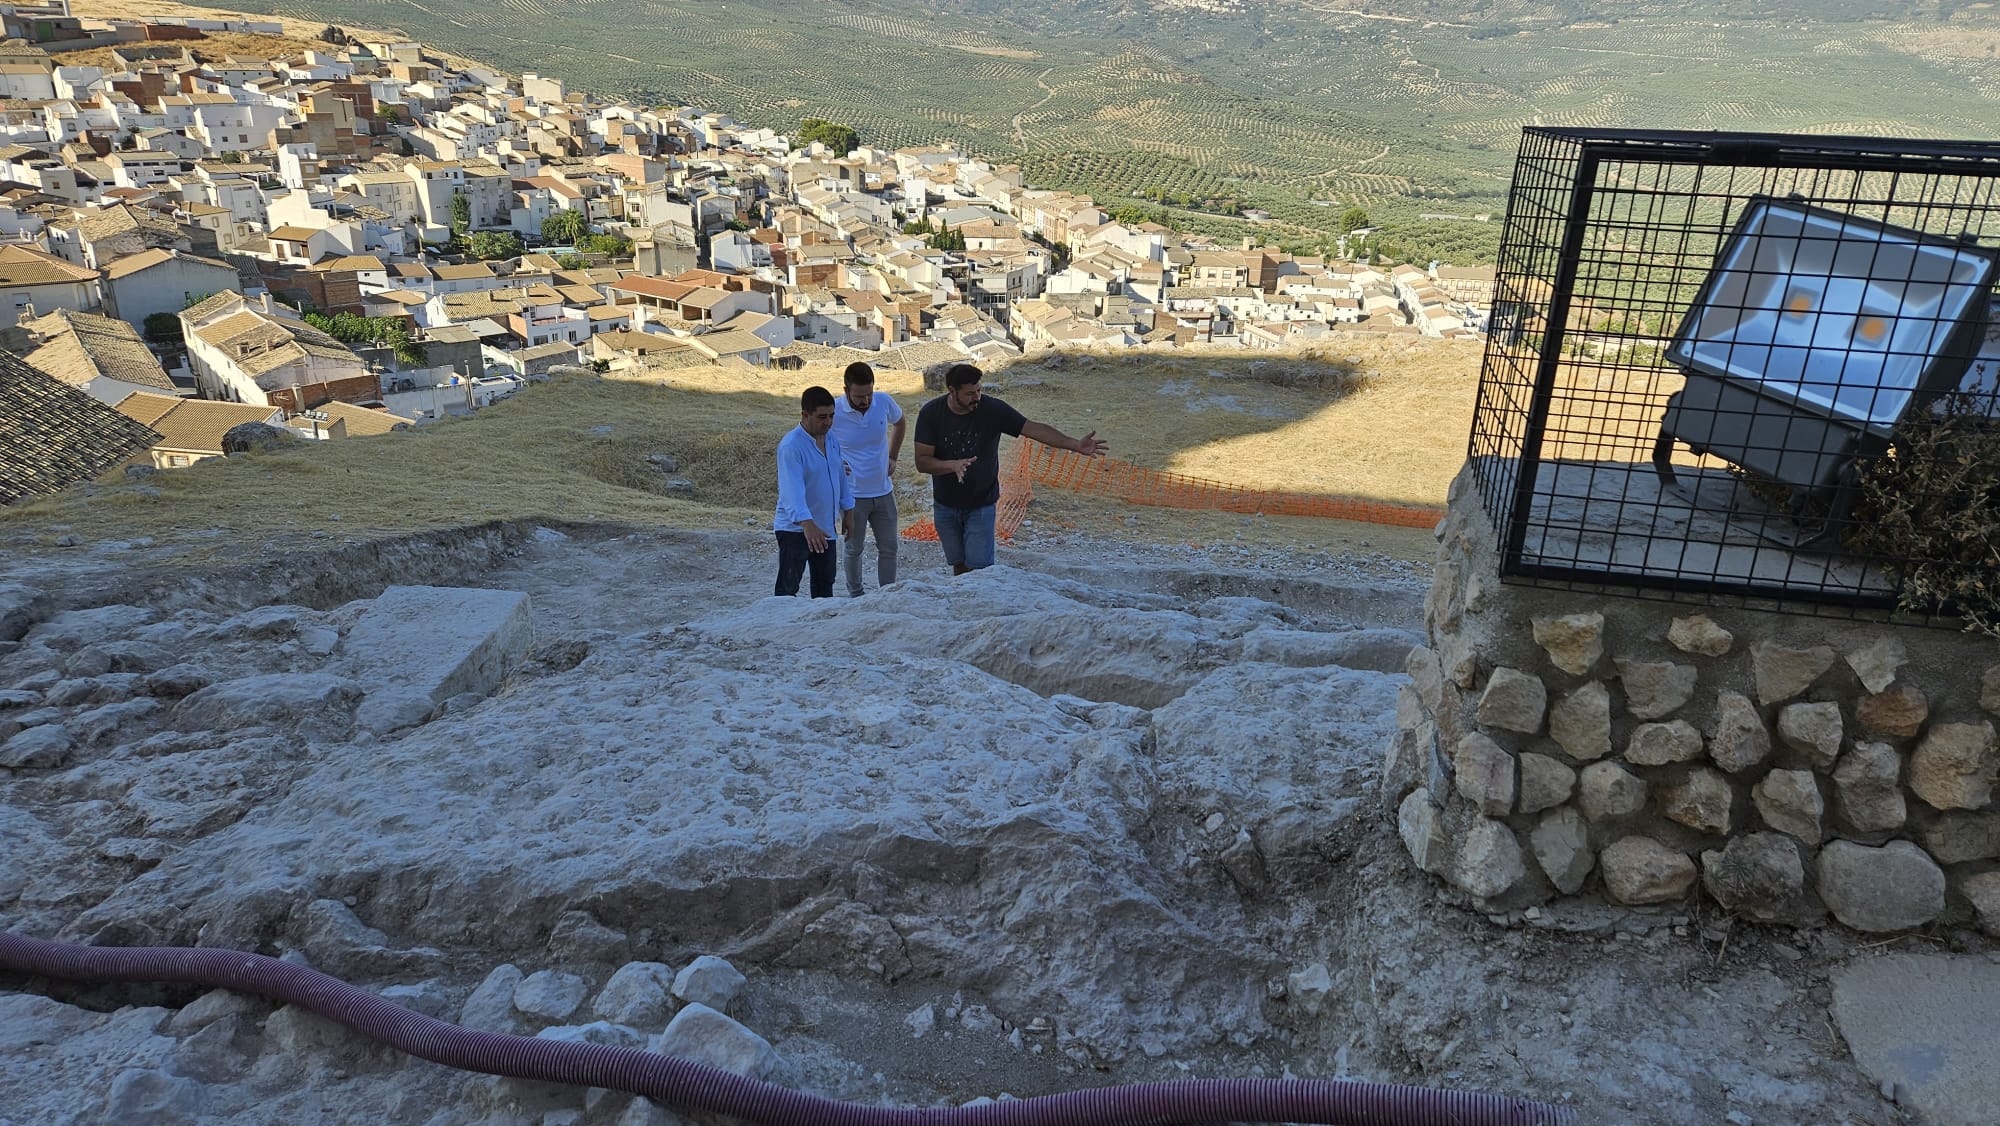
(864, 442)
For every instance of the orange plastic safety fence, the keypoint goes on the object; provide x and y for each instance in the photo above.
(1135, 484)
(1016, 490)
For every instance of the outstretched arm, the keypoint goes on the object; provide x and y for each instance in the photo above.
(1090, 445)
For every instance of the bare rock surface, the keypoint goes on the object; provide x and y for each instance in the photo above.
(1090, 817)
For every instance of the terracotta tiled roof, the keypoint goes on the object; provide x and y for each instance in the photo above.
(147, 259)
(79, 347)
(52, 435)
(193, 425)
(466, 272)
(292, 233)
(22, 266)
(363, 422)
(124, 218)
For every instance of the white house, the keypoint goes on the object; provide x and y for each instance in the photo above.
(32, 283)
(161, 281)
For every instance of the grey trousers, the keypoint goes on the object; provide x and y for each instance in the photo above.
(877, 514)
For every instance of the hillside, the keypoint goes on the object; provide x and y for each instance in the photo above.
(576, 450)
(1301, 109)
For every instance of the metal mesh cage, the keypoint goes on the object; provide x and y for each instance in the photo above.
(1724, 367)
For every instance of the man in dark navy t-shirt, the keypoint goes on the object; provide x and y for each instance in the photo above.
(958, 444)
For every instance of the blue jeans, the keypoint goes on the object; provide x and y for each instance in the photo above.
(793, 558)
(966, 534)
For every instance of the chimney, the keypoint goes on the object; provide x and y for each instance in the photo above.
(265, 300)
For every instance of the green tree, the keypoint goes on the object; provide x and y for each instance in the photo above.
(389, 332)
(461, 213)
(613, 246)
(164, 328)
(1352, 218)
(565, 227)
(839, 139)
(573, 262)
(495, 244)
(231, 157)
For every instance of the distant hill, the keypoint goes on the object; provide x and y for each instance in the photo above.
(1205, 108)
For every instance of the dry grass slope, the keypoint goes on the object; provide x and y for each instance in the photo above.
(576, 449)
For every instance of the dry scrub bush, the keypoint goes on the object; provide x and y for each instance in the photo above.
(1931, 510)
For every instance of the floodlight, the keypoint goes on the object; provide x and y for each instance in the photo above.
(1813, 335)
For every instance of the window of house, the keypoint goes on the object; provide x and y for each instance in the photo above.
(175, 461)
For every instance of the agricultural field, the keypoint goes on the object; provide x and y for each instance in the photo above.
(1300, 108)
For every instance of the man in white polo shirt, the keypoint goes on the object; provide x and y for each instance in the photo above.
(870, 430)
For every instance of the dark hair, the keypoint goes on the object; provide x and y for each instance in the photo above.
(960, 375)
(815, 398)
(857, 372)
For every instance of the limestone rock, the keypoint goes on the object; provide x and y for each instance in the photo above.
(1485, 774)
(272, 698)
(1580, 722)
(1703, 801)
(1989, 690)
(1790, 802)
(255, 437)
(596, 1032)
(1307, 989)
(21, 607)
(1958, 837)
(1545, 783)
(1417, 823)
(213, 1006)
(1757, 875)
(426, 997)
(1427, 677)
(1489, 860)
(220, 1052)
(1244, 863)
(1561, 844)
(1877, 662)
(490, 1008)
(113, 722)
(709, 981)
(550, 995)
(637, 995)
(1783, 672)
(1608, 791)
(1657, 744)
(1573, 642)
(705, 1036)
(1890, 888)
(1640, 870)
(1655, 688)
(1698, 634)
(37, 748)
(72, 629)
(1954, 766)
(1740, 741)
(175, 681)
(1983, 891)
(1513, 700)
(1898, 713)
(306, 1036)
(1813, 730)
(1868, 789)
(145, 1097)
(1407, 761)
(578, 937)
(433, 643)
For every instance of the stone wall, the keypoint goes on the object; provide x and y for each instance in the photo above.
(1581, 744)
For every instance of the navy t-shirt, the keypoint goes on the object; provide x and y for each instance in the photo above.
(976, 435)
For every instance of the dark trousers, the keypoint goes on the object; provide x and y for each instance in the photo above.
(793, 558)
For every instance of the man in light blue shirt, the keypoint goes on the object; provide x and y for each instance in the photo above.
(814, 497)
(870, 429)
